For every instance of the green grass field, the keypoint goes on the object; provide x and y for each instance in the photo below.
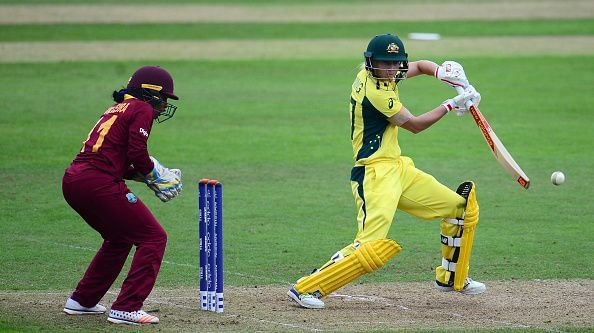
(214, 31)
(277, 134)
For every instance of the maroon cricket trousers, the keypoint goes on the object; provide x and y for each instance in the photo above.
(101, 201)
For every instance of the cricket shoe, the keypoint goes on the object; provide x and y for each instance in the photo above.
(471, 287)
(72, 307)
(306, 300)
(132, 317)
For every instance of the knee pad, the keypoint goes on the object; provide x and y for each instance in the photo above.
(457, 236)
(369, 257)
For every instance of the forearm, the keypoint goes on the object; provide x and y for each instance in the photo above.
(421, 67)
(424, 121)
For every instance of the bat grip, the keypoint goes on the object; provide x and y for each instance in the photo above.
(460, 90)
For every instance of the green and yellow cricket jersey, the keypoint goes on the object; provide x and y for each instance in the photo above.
(373, 137)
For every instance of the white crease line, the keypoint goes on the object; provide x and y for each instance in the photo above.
(372, 299)
(242, 275)
(384, 301)
(364, 298)
(161, 301)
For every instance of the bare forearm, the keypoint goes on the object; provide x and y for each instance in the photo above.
(424, 121)
(421, 67)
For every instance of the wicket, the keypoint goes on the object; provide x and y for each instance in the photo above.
(210, 229)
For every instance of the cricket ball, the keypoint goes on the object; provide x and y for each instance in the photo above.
(557, 178)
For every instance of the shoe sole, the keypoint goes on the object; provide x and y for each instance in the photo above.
(79, 312)
(296, 299)
(475, 291)
(120, 321)
(127, 322)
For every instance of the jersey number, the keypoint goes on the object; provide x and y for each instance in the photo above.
(102, 130)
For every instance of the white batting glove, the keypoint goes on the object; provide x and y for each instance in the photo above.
(452, 74)
(460, 103)
(475, 99)
(166, 183)
(475, 96)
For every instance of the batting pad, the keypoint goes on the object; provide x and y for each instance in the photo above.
(370, 257)
(457, 236)
(470, 221)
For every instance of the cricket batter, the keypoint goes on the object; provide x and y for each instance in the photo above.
(93, 185)
(383, 180)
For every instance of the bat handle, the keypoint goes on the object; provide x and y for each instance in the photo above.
(460, 90)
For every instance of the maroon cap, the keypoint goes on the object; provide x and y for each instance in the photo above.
(154, 78)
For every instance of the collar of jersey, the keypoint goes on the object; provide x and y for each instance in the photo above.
(382, 83)
(128, 96)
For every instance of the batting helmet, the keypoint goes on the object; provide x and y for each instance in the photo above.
(153, 78)
(386, 47)
(153, 85)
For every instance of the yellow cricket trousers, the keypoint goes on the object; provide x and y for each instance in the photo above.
(383, 187)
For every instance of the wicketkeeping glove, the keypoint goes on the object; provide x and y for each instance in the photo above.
(452, 74)
(166, 183)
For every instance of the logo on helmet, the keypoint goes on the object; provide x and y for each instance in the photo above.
(393, 48)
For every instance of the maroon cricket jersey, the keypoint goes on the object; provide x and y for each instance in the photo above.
(119, 140)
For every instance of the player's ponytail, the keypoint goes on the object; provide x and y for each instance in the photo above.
(118, 95)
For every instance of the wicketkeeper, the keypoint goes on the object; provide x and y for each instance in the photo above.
(383, 180)
(93, 185)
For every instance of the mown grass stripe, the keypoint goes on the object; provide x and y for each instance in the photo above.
(344, 30)
(148, 2)
(18, 52)
(324, 12)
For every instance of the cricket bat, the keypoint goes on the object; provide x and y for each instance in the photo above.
(501, 154)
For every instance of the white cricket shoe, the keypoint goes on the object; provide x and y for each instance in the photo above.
(72, 307)
(471, 287)
(306, 300)
(132, 317)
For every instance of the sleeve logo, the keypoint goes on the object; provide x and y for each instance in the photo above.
(144, 132)
(390, 103)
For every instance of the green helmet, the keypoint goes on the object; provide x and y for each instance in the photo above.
(386, 47)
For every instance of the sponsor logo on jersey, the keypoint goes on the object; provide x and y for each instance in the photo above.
(144, 132)
(357, 85)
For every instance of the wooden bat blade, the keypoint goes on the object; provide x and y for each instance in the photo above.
(501, 154)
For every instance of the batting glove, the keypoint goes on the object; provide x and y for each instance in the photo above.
(461, 102)
(452, 74)
(166, 183)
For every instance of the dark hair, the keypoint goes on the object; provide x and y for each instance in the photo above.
(118, 95)
(152, 97)
(146, 95)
